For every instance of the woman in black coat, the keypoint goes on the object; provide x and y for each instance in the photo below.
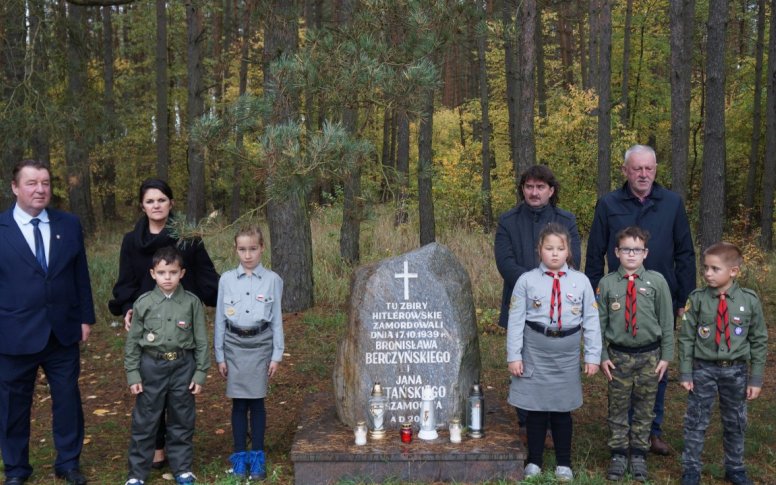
(137, 249)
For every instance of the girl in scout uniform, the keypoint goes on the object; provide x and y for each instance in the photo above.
(248, 346)
(552, 308)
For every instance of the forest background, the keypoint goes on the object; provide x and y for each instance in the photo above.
(354, 130)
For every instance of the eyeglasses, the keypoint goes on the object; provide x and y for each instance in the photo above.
(633, 251)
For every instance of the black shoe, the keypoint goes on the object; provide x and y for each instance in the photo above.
(72, 476)
(15, 480)
(158, 465)
(691, 478)
(738, 478)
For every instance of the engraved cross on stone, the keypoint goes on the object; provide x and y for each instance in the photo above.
(406, 276)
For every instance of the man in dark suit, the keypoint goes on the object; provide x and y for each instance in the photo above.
(46, 309)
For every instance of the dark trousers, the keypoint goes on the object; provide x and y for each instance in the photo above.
(709, 381)
(61, 365)
(241, 408)
(165, 385)
(536, 423)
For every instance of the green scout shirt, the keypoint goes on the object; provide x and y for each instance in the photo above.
(166, 325)
(748, 333)
(654, 311)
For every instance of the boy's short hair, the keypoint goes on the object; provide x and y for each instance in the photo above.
(727, 252)
(634, 232)
(251, 230)
(169, 255)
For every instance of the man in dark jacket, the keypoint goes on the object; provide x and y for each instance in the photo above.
(517, 238)
(644, 203)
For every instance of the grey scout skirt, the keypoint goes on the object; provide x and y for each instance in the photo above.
(551, 378)
(247, 359)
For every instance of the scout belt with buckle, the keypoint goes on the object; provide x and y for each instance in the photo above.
(549, 332)
(174, 355)
(247, 332)
(724, 363)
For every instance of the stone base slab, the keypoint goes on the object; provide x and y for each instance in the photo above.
(324, 451)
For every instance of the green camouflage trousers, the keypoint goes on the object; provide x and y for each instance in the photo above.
(709, 381)
(633, 385)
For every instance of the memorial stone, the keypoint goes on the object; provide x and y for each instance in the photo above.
(411, 324)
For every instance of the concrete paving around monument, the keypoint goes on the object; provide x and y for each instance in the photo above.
(324, 451)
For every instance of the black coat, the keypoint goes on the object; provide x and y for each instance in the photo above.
(137, 251)
(517, 240)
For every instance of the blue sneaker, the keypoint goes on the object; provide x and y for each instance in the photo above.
(185, 478)
(258, 470)
(239, 463)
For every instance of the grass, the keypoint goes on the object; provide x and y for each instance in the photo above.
(311, 340)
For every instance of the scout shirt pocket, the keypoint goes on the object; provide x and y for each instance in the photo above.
(575, 304)
(615, 303)
(645, 301)
(231, 309)
(739, 317)
(262, 308)
(536, 304)
(152, 328)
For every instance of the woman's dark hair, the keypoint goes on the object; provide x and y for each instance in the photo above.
(157, 184)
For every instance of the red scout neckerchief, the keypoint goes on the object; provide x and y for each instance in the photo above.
(722, 321)
(555, 299)
(630, 303)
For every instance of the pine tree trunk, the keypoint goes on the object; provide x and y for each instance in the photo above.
(604, 76)
(289, 223)
(245, 43)
(76, 142)
(402, 165)
(566, 43)
(487, 209)
(769, 167)
(162, 85)
(594, 46)
(510, 61)
(425, 172)
(526, 146)
(541, 84)
(106, 172)
(626, 49)
(12, 121)
(195, 108)
(350, 232)
(682, 21)
(39, 139)
(754, 151)
(712, 206)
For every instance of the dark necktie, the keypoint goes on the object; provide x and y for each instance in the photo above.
(40, 248)
(555, 299)
(722, 321)
(630, 304)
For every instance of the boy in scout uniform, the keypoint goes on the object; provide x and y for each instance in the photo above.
(637, 324)
(722, 331)
(166, 359)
